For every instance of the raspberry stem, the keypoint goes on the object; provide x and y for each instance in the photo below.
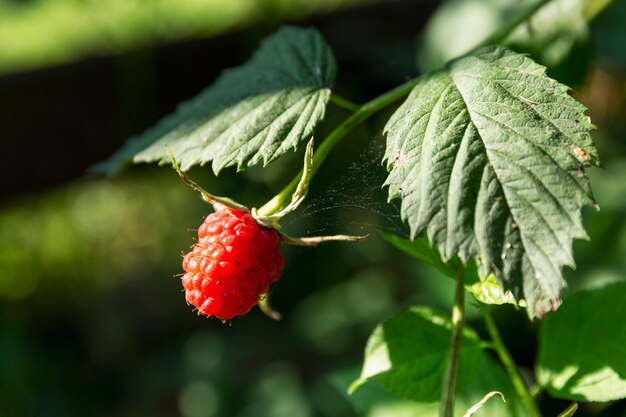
(448, 391)
(267, 309)
(216, 201)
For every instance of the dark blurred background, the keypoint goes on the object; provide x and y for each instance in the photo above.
(92, 320)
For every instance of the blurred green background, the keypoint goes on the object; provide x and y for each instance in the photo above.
(92, 319)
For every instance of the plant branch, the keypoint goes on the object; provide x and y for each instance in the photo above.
(446, 406)
(505, 357)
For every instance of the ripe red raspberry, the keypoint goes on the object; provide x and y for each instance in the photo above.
(233, 263)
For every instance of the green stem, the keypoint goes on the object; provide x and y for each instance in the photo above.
(342, 102)
(446, 406)
(509, 365)
(363, 113)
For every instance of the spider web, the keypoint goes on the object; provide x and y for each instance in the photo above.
(349, 198)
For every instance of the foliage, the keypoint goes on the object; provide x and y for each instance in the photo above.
(466, 123)
(407, 355)
(581, 354)
(372, 400)
(487, 155)
(254, 113)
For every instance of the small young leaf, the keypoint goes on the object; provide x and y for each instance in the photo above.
(407, 355)
(251, 114)
(582, 349)
(487, 155)
(487, 291)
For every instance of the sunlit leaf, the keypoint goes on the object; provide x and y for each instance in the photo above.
(371, 400)
(487, 156)
(407, 355)
(582, 351)
(251, 114)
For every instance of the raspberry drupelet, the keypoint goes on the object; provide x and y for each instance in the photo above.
(233, 263)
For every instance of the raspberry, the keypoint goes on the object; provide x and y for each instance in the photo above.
(233, 263)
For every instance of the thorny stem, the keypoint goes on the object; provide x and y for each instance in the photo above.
(509, 365)
(446, 406)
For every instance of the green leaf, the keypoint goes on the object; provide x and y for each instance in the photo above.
(371, 400)
(487, 291)
(487, 155)
(582, 349)
(408, 353)
(251, 114)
